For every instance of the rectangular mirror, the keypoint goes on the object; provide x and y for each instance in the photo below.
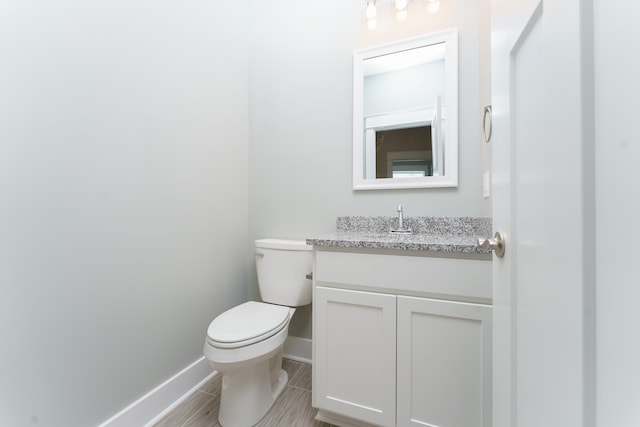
(405, 113)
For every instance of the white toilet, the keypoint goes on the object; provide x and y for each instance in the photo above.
(245, 343)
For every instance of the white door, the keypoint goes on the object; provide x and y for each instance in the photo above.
(444, 363)
(355, 354)
(539, 296)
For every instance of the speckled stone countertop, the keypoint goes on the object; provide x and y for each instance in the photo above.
(435, 234)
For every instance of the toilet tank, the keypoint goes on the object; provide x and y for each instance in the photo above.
(282, 267)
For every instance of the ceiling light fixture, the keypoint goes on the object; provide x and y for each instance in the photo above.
(379, 9)
(433, 6)
(401, 9)
(371, 12)
(401, 4)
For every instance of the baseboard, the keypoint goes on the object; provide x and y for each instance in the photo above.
(151, 407)
(154, 405)
(297, 348)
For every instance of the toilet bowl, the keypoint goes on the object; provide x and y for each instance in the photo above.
(245, 343)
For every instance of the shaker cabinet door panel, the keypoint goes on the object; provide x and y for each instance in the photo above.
(355, 360)
(444, 363)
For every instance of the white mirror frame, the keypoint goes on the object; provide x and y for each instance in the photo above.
(450, 112)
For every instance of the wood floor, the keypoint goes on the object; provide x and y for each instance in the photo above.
(292, 408)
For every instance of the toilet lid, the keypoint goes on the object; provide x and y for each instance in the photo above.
(247, 323)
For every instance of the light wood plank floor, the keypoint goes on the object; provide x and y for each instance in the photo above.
(292, 408)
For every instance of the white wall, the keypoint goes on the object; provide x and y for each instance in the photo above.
(301, 120)
(617, 175)
(405, 89)
(122, 126)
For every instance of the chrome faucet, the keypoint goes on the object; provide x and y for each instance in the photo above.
(400, 228)
(400, 218)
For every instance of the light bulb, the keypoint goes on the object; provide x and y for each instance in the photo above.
(433, 6)
(401, 15)
(370, 11)
(401, 4)
(372, 23)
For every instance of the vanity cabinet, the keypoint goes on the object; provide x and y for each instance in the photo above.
(401, 340)
(443, 363)
(355, 358)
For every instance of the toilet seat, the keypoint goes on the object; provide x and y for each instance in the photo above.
(246, 324)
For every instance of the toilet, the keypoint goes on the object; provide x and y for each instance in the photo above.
(245, 343)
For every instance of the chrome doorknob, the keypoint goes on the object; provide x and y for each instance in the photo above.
(496, 244)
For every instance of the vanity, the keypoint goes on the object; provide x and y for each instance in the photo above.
(402, 323)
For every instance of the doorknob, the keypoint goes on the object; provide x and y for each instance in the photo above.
(496, 244)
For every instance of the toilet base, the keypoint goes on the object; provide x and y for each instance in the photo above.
(249, 392)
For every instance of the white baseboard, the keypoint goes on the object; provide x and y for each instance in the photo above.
(154, 405)
(297, 348)
(151, 407)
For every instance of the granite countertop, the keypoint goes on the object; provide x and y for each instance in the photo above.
(435, 234)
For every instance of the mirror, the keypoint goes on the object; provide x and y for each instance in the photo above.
(405, 113)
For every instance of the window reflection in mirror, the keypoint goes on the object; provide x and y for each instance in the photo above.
(404, 153)
(405, 101)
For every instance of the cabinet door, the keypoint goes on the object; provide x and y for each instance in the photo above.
(444, 363)
(355, 354)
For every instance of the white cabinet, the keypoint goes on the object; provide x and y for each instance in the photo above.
(386, 356)
(443, 363)
(355, 362)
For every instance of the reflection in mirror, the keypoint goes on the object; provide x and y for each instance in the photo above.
(403, 153)
(405, 102)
